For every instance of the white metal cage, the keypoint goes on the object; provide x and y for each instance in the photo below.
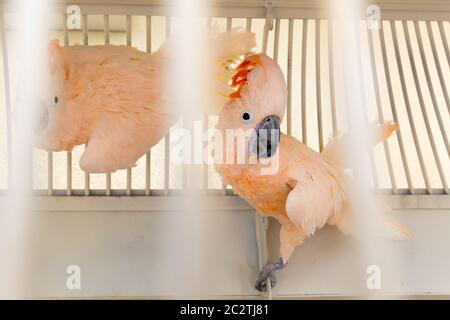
(407, 60)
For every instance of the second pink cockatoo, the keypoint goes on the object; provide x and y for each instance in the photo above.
(115, 99)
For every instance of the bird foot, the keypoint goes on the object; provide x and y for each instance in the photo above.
(268, 272)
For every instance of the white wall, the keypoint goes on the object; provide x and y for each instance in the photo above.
(120, 254)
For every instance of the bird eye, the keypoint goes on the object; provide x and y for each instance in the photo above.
(55, 99)
(246, 117)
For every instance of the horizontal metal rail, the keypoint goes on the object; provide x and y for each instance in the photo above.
(216, 202)
(438, 10)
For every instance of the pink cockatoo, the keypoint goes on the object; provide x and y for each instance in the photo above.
(115, 100)
(309, 189)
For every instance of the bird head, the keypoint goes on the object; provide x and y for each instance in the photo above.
(62, 117)
(258, 103)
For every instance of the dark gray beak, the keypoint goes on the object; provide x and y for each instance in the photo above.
(266, 137)
(42, 117)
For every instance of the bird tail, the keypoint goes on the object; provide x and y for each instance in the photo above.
(392, 229)
(336, 150)
(384, 225)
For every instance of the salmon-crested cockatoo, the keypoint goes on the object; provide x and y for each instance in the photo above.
(309, 189)
(115, 99)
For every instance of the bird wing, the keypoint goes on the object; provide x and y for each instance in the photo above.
(317, 195)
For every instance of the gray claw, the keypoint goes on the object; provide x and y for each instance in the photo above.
(261, 282)
(268, 272)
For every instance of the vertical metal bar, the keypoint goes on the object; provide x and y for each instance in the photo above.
(69, 153)
(128, 191)
(276, 40)
(108, 184)
(205, 123)
(422, 104)
(303, 88)
(7, 97)
(128, 30)
(430, 85)
(65, 31)
(248, 26)
(69, 173)
(87, 184)
(444, 40)
(129, 176)
(365, 106)
(408, 107)
(84, 27)
(261, 224)
(167, 138)
(149, 33)
(289, 75)
(107, 41)
(148, 155)
(438, 65)
(331, 75)
(50, 173)
(168, 25)
(106, 28)
(229, 22)
(387, 152)
(224, 186)
(187, 125)
(205, 143)
(129, 170)
(148, 166)
(265, 38)
(318, 87)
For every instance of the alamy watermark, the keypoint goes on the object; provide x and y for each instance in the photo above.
(373, 281)
(73, 21)
(373, 17)
(73, 281)
(229, 147)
